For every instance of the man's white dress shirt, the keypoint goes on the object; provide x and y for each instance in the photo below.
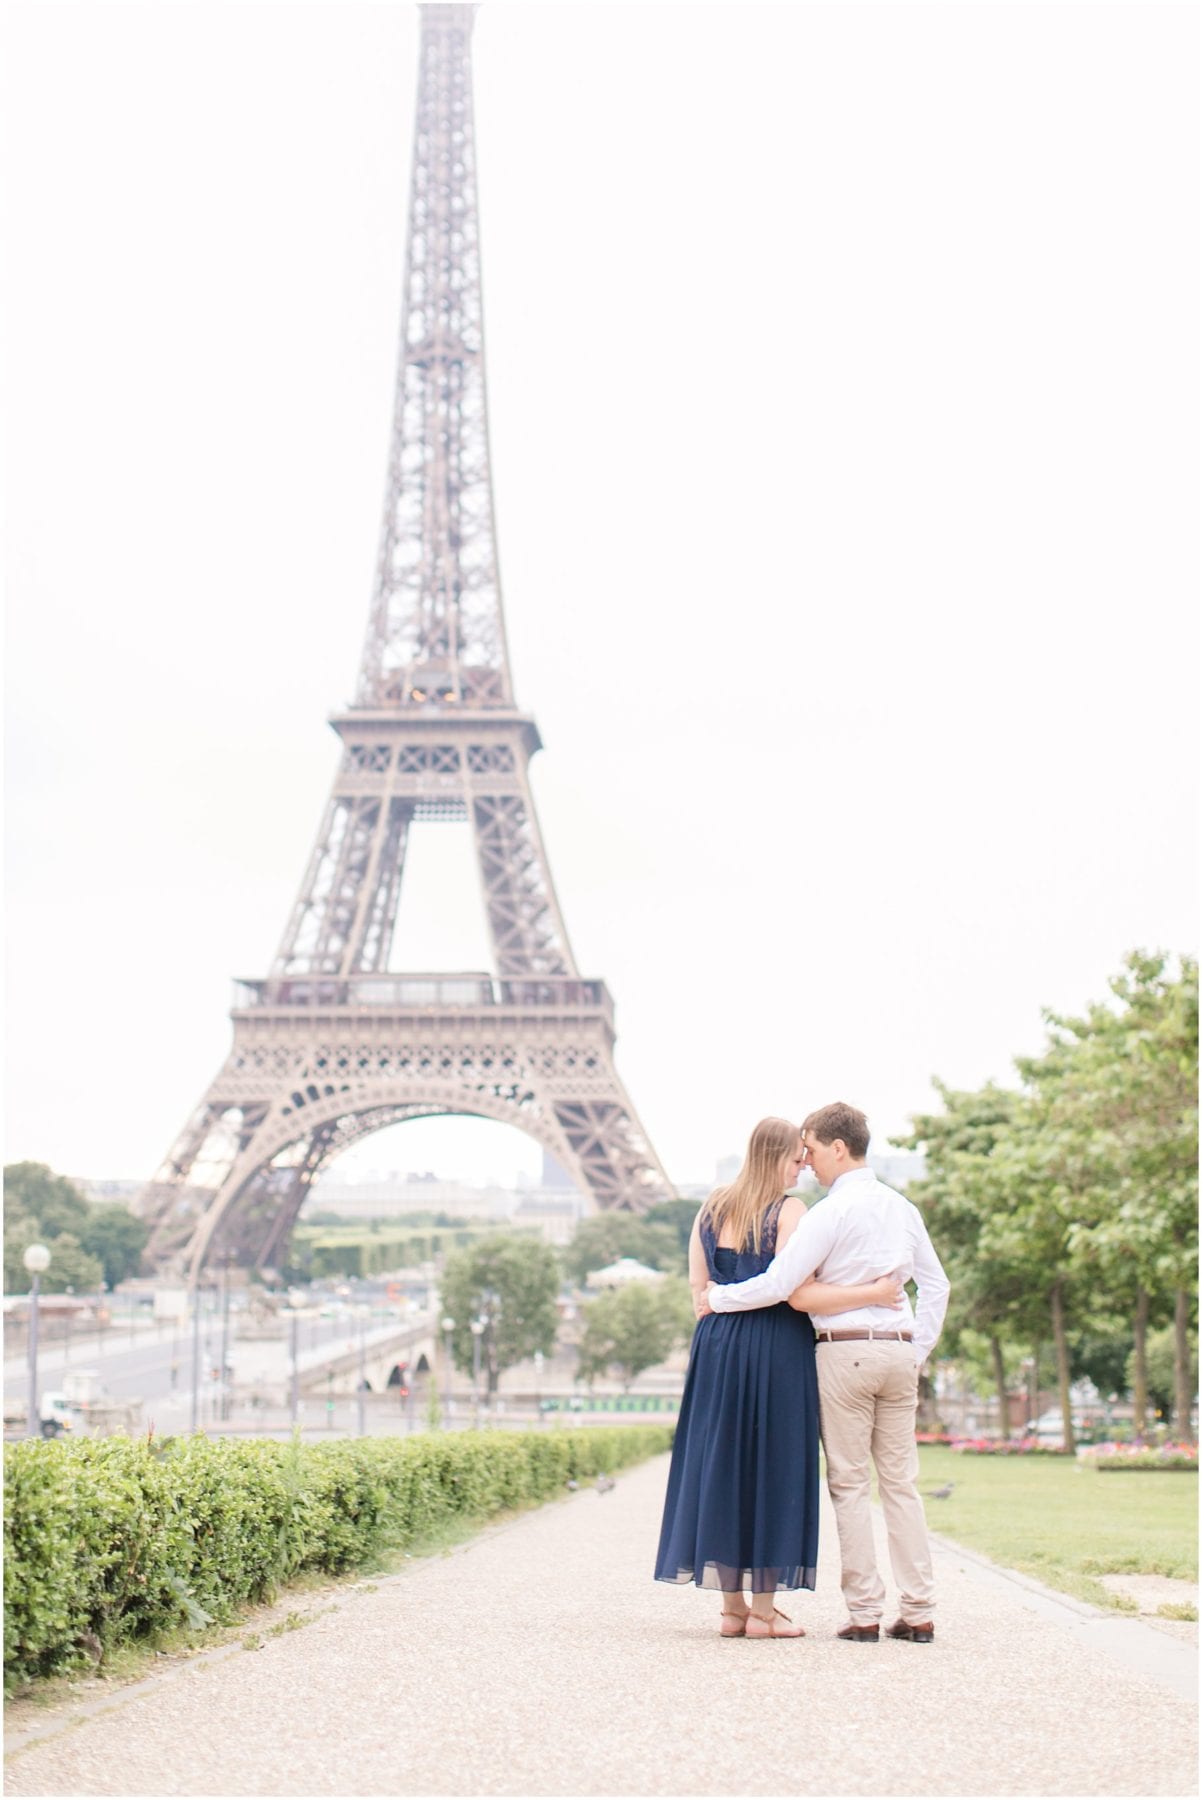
(861, 1230)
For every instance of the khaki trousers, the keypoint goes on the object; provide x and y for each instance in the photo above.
(868, 1396)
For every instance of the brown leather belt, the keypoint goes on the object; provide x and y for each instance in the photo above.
(847, 1337)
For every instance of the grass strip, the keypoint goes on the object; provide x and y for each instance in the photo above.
(1064, 1522)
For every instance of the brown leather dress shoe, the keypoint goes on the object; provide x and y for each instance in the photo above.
(860, 1634)
(912, 1634)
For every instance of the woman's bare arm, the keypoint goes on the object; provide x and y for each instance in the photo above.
(699, 1275)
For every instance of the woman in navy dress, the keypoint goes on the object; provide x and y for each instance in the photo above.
(742, 1502)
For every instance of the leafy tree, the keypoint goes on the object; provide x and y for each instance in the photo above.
(677, 1216)
(19, 1233)
(34, 1191)
(1102, 1354)
(510, 1282)
(1048, 1190)
(603, 1238)
(42, 1207)
(991, 1289)
(1121, 1082)
(117, 1238)
(1076, 1198)
(1162, 1368)
(71, 1267)
(633, 1328)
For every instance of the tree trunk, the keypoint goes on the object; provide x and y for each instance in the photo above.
(1139, 1391)
(999, 1376)
(1182, 1385)
(1062, 1372)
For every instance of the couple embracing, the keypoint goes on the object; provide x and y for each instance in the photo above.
(797, 1332)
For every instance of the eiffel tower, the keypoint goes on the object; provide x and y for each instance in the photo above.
(333, 1045)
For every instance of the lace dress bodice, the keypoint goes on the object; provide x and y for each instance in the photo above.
(740, 1265)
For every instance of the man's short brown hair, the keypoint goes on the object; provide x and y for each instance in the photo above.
(839, 1120)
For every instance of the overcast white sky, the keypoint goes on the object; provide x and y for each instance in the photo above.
(844, 395)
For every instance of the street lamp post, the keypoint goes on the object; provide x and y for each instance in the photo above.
(490, 1313)
(362, 1388)
(448, 1326)
(1029, 1367)
(196, 1351)
(538, 1386)
(67, 1324)
(225, 1336)
(37, 1261)
(294, 1303)
(477, 1330)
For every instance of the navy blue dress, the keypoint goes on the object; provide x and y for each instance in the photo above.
(742, 1501)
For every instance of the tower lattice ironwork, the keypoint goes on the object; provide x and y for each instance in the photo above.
(333, 1045)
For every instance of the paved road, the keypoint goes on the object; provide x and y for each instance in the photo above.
(541, 1659)
(154, 1364)
(139, 1362)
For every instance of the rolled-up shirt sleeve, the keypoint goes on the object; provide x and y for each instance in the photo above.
(933, 1290)
(796, 1263)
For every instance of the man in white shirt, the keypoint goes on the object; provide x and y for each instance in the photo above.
(868, 1365)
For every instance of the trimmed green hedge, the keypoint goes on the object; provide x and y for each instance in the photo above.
(114, 1539)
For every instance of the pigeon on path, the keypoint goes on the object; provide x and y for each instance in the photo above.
(941, 1493)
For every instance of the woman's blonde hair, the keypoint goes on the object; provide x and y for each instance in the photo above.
(739, 1209)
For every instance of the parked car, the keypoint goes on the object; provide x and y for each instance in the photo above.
(1049, 1426)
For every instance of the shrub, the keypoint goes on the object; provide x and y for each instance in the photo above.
(116, 1540)
(1141, 1456)
(1006, 1447)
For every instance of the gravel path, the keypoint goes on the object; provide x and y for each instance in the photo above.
(542, 1659)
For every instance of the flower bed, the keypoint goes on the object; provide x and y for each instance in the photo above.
(933, 1437)
(112, 1539)
(1006, 1447)
(1142, 1456)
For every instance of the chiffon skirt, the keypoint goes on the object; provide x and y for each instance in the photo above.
(742, 1504)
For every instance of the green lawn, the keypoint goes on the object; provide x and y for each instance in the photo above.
(1063, 1522)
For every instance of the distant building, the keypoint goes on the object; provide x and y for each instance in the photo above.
(106, 1193)
(393, 1195)
(555, 1211)
(555, 1176)
(897, 1168)
(621, 1274)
